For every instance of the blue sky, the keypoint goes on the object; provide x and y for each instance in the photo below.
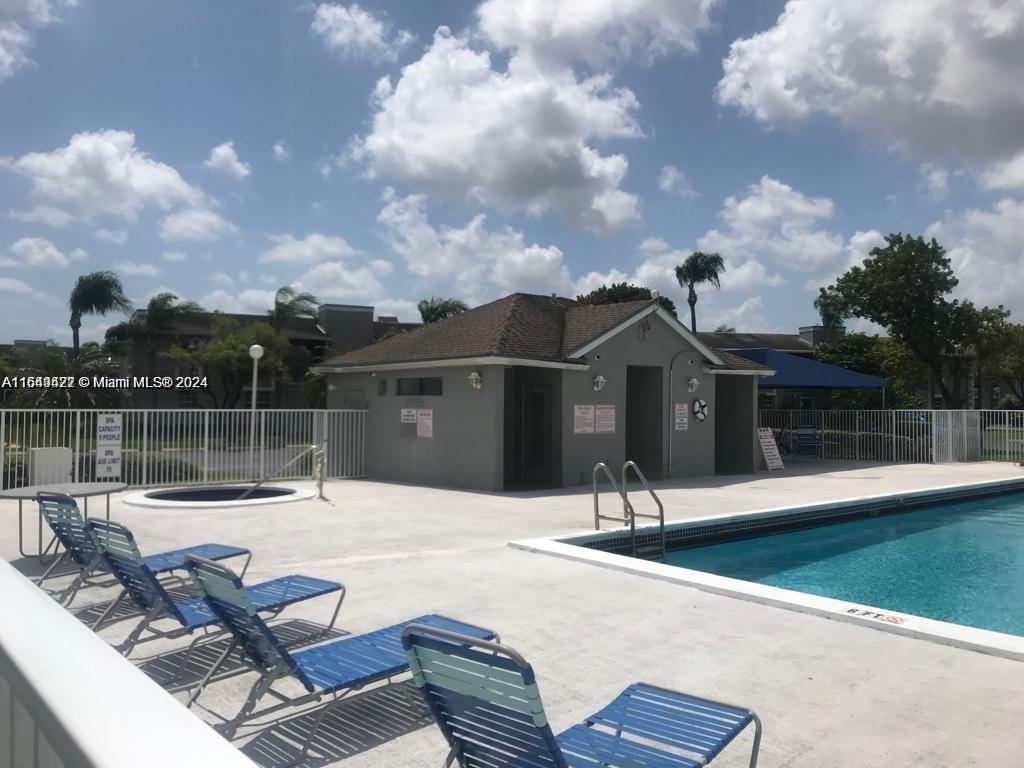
(383, 152)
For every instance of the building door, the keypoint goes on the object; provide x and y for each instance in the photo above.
(645, 425)
(535, 444)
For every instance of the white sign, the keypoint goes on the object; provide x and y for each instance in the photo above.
(425, 422)
(682, 417)
(583, 420)
(604, 418)
(408, 415)
(769, 449)
(108, 445)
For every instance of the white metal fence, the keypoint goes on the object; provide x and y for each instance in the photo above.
(180, 447)
(915, 436)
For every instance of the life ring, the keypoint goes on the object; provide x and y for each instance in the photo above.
(700, 409)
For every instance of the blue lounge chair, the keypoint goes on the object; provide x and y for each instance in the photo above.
(808, 441)
(141, 587)
(484, 697)
(62, 515)
(336, 668)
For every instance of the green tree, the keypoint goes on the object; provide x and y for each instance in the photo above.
(617, 293)
(723, 328)
(91, 360)
(438, 308)
(1006, 362)
(906, 286)
(96, 293)
(289, 304)
(224, 358)
(699, 268)
(885, 358)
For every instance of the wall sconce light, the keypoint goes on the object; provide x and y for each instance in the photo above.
(476, 381)
(692, 384)
(599, 382)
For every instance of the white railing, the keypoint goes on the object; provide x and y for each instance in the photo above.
(68, 699)
(181, 447)
(901, 436)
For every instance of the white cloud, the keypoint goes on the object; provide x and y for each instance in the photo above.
(516, 140)
(173, 256)
(281, 152)
(594, 31)
(858, 248)
(929, 76)
(222, 278)
(43, 214)
(251, 301)
(268, 279)
(115, 236)
(19, 21)
(406, 311)
(102, 173)
(352, 32)
(673, 181)
(224, 159)
(307, 250)
(775, 220)
(137, 268)
(335, 280)
(199, 224)
(472, 261)
(748, 315)
(79, 254)
(38, 252)
(934, 181)
(987, 251)
(1005, 175)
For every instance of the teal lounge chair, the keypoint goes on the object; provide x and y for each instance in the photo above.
(141, 587)
(62, 515)
(484, 697)
(336, 668)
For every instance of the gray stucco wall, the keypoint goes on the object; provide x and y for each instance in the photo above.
(467, 449)
(693, 451)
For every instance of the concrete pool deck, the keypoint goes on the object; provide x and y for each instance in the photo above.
(829, 693)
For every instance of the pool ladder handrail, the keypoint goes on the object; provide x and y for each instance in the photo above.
(629, 513)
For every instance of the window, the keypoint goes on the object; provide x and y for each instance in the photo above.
(425, 386)
(382, 386)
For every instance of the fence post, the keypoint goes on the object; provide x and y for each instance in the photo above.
(893, 427)
(206, 446)
(3, 445)
(78, 445)
(145, 437)
(263, 442)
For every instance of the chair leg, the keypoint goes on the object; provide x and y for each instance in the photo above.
(126, 647)
(46, 574)
(259, 689)
(109, 609)
(757, 741)
(194, 694)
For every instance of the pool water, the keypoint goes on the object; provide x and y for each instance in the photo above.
(962, 563)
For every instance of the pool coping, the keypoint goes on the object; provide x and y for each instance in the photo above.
(139, 499)
(567, 546)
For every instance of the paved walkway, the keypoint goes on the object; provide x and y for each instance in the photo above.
(829, 693)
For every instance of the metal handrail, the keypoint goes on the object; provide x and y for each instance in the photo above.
(284, 466)
(660, 517)
(626, 506)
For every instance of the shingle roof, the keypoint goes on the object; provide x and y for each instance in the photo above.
(521, 326)
(737, 363)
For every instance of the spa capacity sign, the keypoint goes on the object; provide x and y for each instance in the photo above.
(108, 445)
(604, 419)
(583, 420)
(425, 422)
(682, 417)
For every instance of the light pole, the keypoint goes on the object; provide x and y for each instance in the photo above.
(255, 352)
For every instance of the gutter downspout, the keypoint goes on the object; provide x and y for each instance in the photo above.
(671, 410)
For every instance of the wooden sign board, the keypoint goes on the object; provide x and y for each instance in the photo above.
(769, 449)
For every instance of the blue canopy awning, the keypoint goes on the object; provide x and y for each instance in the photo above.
(794, 372)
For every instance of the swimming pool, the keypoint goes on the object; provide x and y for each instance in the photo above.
(941, 564)
(961, 562)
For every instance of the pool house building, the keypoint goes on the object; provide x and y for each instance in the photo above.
(532, 391)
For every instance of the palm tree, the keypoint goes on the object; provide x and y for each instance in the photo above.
(162, 313)
(95, 294)
(699, 268)
(289, 304)
(54, 362)
(437, 308)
